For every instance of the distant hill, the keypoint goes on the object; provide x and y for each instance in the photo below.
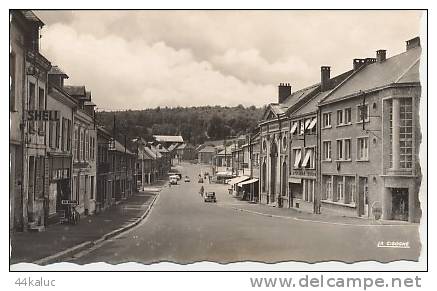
(195, 124)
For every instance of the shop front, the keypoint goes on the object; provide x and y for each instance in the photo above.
(60, 185)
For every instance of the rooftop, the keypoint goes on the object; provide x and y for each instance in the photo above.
(168, 138)
(401, 68)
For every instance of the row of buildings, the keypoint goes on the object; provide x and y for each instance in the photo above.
(348, 144)
(59, 154)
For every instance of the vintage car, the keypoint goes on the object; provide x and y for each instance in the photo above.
(210, 197)
(173, 180)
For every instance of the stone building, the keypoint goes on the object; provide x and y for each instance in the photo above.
(59, 145)
(105, 174)
(84, 150)
(370, 138)
(35, 167)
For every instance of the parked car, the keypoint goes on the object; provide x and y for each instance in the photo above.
(187, 179)
(210, 197)
(173, 180)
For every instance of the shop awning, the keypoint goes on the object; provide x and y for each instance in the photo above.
(297, 159)
(224, 174)
(312, 124)
(237, 180)
(293, 128)
(307, 123)
(307, 157)
(247, 182)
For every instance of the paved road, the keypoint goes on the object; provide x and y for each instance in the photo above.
(182, 228)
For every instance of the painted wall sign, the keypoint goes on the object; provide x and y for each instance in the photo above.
(43, 115)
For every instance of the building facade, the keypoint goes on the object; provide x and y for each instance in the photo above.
(84, 151)
(59, 149)
(370, 137)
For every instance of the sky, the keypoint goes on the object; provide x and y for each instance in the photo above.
(144, 59)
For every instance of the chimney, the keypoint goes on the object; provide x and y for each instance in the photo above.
(283, 92)
(412, 43)
(325, 76)
(357, 63)
(381, 55)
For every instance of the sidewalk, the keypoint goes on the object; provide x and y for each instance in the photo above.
(292, 213)
(300, 214)
(33, 246)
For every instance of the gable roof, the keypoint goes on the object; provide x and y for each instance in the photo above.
(401, 68)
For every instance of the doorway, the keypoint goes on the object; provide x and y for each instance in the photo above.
(400, 204)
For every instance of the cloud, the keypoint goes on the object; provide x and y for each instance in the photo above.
(133, 74)
(137, 59)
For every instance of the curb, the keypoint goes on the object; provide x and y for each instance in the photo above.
(310, 220)
(88, 244)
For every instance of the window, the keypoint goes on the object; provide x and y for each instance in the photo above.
(339, 117)
(308, 160)
(41, 106)
(76, 143)
(340, 191)
(347, 149)
(68, 135)
(348, 116)
(308, 186)
(31, 104)
(327, 150)
(352, 193)
(63, 134)
(328, 190)
(51, 135)
(81, 145)
(363, 113)
(294, 127)
(340, 150)
(58, 133)
(301, 126)
(326, 120)
(297, 153)
(406, 133)
(312, 126)
(92, 187)
(87, 146)
(284, 142)
(12, 66)
(363, 148)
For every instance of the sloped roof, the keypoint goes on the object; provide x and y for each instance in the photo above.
(75, 90)
(207, 149)
(298, 95)
(311, 106)
(55, 70)
(120, 148)
(30, 16)
(168, 138)
(228, 151)
(401, 68)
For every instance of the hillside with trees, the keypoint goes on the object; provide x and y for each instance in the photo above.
(195, 124)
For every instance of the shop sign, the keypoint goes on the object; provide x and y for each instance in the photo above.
(304, 173)
(42, 115)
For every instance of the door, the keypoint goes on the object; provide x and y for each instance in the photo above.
(400, 204)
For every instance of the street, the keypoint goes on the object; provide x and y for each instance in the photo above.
(182, 228)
